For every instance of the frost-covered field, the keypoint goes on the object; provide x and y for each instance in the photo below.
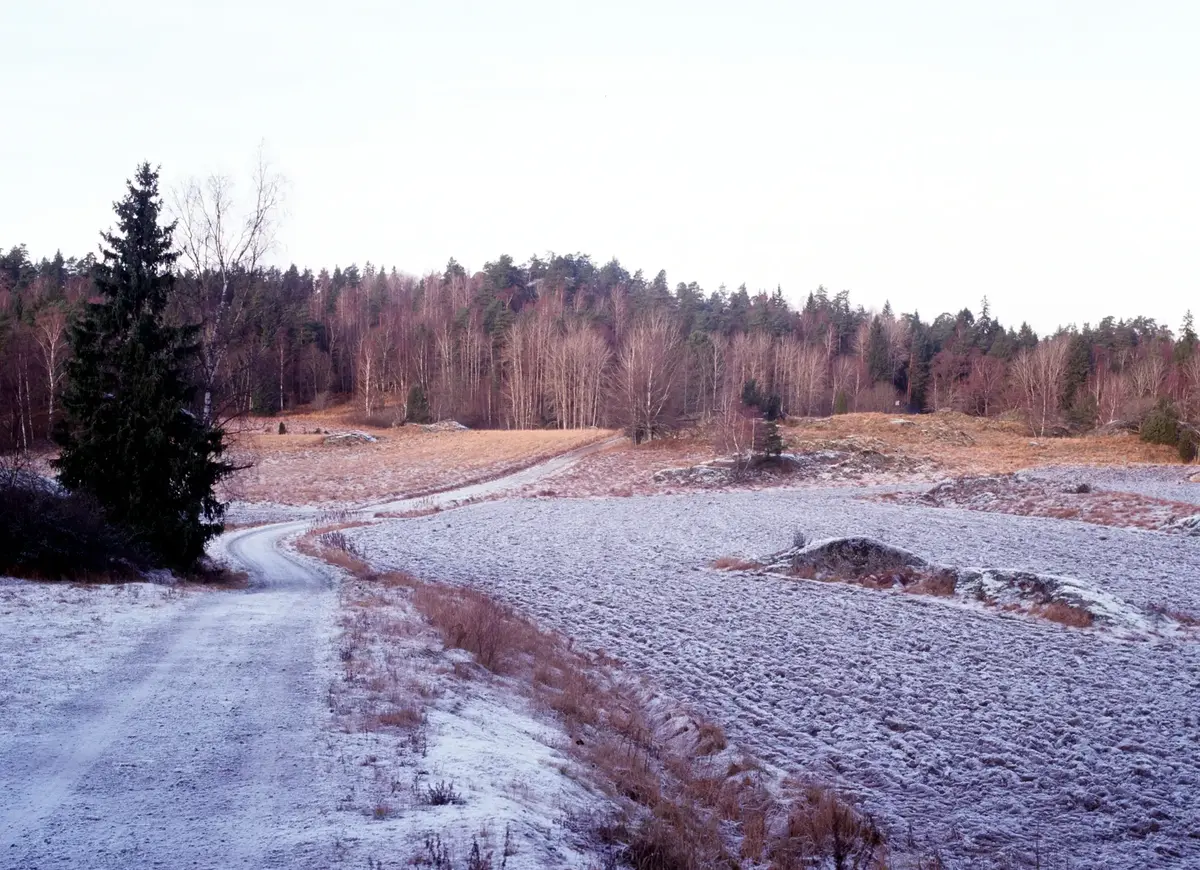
(56, 639)
(1169, 482)
(991, 735)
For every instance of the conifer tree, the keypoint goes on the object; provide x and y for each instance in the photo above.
(129, 437)
(418, 406)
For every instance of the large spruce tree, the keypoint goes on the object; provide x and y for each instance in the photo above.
(129, 437)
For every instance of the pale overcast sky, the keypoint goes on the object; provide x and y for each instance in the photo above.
(1045, 154)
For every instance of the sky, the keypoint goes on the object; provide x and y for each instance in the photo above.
(1043, 154)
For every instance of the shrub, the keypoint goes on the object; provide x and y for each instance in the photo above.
(473, 622)
(418, 405)
(824, 829)
(1161, 425)
(443, 794)
(49, 534)
(386, 419)
(1187, 449)
(282, 428)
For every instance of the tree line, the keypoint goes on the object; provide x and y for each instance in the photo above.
(563, 341)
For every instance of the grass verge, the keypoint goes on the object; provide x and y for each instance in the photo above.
(684, 798)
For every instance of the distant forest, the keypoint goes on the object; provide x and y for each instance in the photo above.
(563, 342)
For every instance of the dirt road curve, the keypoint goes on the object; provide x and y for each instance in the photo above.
(196, 751)
(203, 748)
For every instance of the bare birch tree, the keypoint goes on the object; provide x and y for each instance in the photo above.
(1148, 373)
(1190, 371)
(801, 374)
(578, 363)
(1038, 374)
(223, 246)
(645, 381)
(524, 360)
(51, 336)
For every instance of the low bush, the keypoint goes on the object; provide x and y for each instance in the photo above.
(473, 622)
(49, 534)
(1187, 448)
(443, 794)
(386, 419)
(823, 830)
(1161, 425)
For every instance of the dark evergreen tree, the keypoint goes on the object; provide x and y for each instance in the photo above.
(1186, 346)
(129, 438)
(1079, 366)
(772, 441)
(879, 363)
(418, 405)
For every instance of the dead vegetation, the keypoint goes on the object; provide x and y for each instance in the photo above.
(850, 448)
(1064, 614)
(961, 444)
(734, 563)
(1183, 617)
(302, 468)
(872, 564)
(684, 798)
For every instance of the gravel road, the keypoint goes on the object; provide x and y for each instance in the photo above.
(202, 746)
(196, 749)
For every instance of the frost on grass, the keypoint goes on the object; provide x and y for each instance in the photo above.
(57, 636)
(1060, 495)
(438, 765)
(995, 738)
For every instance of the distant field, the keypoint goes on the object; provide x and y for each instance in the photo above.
(962, 444)
(298, 469)
(863, 449)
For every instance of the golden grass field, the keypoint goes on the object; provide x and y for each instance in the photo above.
(961, 444)
(945, 444)
(302, 468)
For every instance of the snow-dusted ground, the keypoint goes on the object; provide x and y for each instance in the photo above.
(517, 794)
(188, 738)
(1169, 482)
(58, 638)
(992, 735)
(145, 726)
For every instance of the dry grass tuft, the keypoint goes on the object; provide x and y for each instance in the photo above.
(940, 584)
(1064, 614)
(820, 827)
(1184, 618)
(474, 622)
(733, 563)
(405, 716)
